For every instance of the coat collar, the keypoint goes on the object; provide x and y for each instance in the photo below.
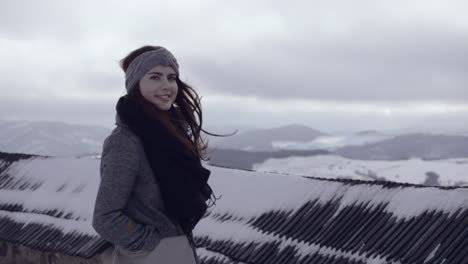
(119, 122)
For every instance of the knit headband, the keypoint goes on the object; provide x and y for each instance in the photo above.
(145, 62)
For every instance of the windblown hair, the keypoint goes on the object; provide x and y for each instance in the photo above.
(184, 120)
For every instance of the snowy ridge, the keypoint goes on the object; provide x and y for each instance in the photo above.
(446, 172)
(266, 218)
(47, 203)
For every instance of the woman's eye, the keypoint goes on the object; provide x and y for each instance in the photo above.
(155, 77)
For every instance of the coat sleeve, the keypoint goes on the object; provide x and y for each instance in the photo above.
(119, 170)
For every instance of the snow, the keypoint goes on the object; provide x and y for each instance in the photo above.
(408, 202)
(76, 174)
(202, 252)
(432, 254)
(451, 171)
(241, 233)
(249, 194)
(66, 226)
(244, 195)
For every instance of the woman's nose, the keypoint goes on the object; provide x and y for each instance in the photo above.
(166, 83)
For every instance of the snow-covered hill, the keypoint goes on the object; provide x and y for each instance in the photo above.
(449, 172)
(51, 138)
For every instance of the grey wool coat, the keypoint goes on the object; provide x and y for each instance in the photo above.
(129, 211)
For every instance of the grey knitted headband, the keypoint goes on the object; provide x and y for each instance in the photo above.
(145, 62)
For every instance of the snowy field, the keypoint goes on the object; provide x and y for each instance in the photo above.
(450, 171)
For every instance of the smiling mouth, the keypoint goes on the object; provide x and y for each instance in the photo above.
(163, 97)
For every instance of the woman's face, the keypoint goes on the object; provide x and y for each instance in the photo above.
(159, 86)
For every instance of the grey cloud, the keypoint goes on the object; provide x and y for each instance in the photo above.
(89, 81)
(362, 50)
(59, 20)
(50, 108)
(405, 64)
(64, 80)
(225, 113)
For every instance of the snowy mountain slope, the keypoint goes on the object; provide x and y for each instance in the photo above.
(51, 138)
(432, 172)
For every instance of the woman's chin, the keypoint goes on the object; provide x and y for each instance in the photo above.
(163, 107)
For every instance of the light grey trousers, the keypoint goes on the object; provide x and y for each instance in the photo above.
(170, 250)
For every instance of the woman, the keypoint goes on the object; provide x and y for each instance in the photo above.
(153, 188)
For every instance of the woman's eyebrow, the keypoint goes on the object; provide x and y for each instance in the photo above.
(159, 73)
(155, 73)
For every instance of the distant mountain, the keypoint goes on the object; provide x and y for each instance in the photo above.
(264, 139)
(425, 146)
(367, 132)
(333, 142)
(241, 159)
(51, 138)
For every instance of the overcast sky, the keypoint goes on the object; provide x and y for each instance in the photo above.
(332, 65)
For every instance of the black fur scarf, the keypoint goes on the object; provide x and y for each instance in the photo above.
(182, 178)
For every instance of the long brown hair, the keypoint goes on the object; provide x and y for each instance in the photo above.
(184, 120)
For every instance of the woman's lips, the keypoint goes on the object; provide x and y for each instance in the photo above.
(163, 97)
